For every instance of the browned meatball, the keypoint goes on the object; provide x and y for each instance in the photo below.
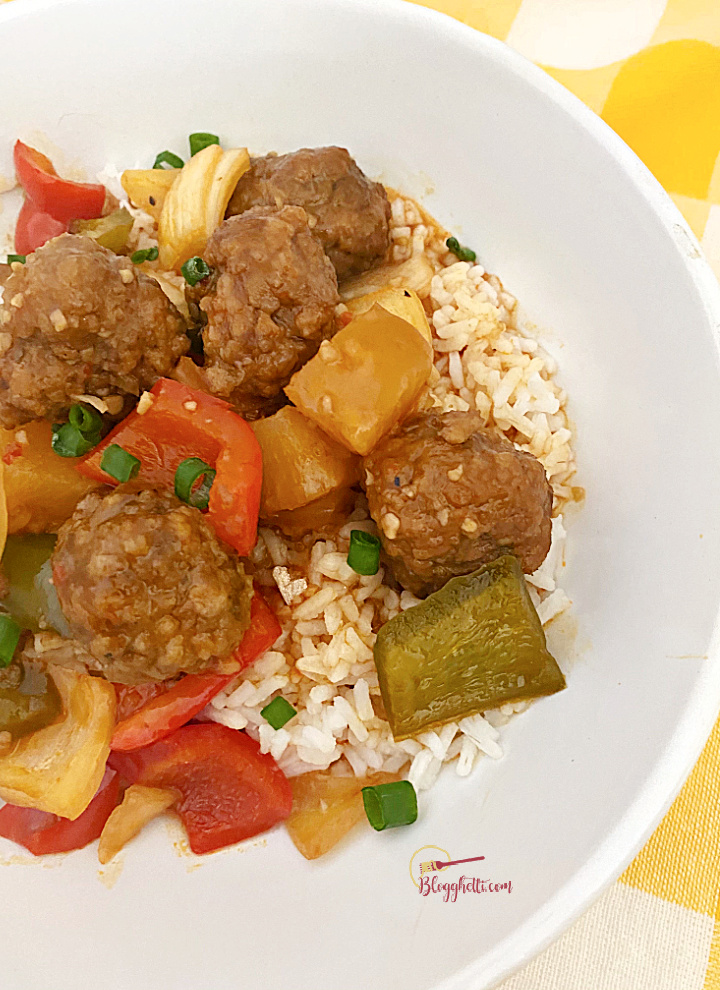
(146, 586)
(77, 319)
(448, 496)
(350, 214)
(269, 305)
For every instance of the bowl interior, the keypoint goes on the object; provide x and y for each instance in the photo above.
(574, 226)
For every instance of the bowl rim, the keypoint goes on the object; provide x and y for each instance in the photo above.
(696, 721)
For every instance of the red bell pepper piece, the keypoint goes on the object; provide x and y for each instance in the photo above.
(184, 422)
(132, 697)
(229, 789)
(35, 228)
(42, 832)
(60, 198)
(264, 630)
(170, 709)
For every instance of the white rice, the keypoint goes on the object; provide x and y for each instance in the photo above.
(323, 662)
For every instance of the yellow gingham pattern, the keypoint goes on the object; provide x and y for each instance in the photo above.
(651, 69)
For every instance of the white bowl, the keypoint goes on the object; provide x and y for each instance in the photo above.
(578, 229)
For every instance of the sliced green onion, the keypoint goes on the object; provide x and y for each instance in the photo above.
(9, 637)
(85, 418)
(390, 805)
(200, 140)
(168, 158)
(462, 253)
(16, 257)
(119, 464)
(147, 254)
(364, 553)
(80, 434)
(68, 441)
(188, 472)
(195, 270)
(278, 712)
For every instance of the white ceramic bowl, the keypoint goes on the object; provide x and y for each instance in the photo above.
(578, 229)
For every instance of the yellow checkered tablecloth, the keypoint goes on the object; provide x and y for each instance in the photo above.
(651, 69)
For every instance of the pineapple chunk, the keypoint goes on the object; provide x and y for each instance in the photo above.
(326, 807)
(404, 303)
(300, 463)
(365, 380)
(41, 488)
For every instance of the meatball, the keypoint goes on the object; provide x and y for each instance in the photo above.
(350, 214)
(449, 496)
(78, 319)
(269, 305)
(146, 586)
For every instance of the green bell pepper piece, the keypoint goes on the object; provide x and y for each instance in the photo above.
(29, 699)
(475, 644)
(21, 561)
(110, 232)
